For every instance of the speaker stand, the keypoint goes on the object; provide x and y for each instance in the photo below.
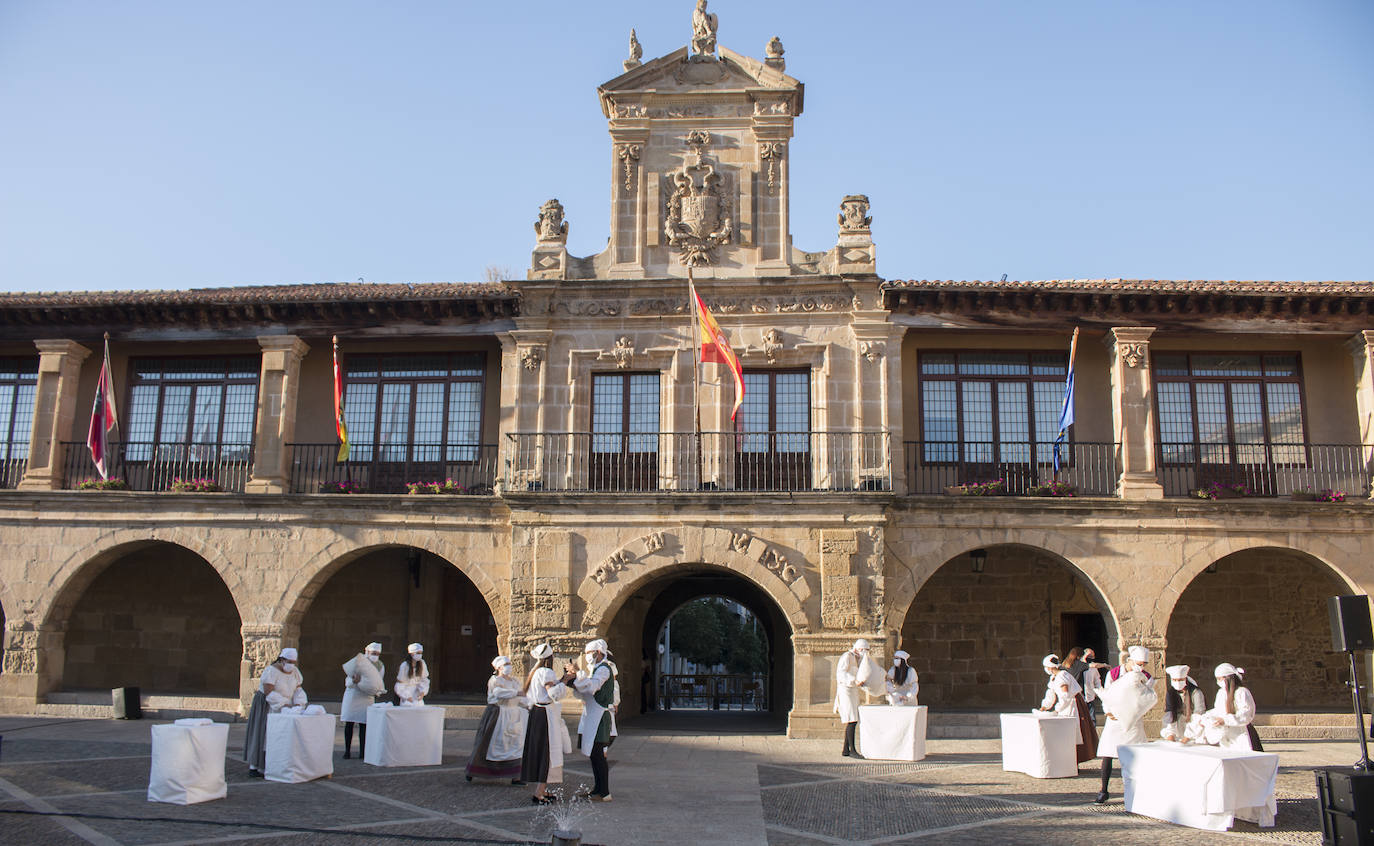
(1363, 763)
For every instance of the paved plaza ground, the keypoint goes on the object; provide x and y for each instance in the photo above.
(85, 781)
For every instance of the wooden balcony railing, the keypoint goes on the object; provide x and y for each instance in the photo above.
(388, 468)
(153, 466)
(1266, 469)
(932, 466)
(697, 461)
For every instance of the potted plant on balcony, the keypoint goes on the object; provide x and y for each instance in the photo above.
(1053, 488)
(1223, 490)
(181, 485)
(95, 483)
(447, 487)
(995, 487)
(343, 486)
(1303, 494)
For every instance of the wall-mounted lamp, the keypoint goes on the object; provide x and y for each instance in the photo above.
(979, 557)
(1212, 568)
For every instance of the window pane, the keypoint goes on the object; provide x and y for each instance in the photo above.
(205, 428)
(468, 366)
(360, 413)
(1013, 421)
(464, 420)
(977, 397)
(1233, 366)
(937, 364)
(1175, 422)
(608, 412)
(23, 421)
(753, 414)
(142, 417)
(428, 437)
(1050, 364)
(411, 367)
(939, 420)
(1171, 365)
(237, 438)
(1049, 396)
(993, 364)
(792, 412)
(1281, 365)
(359, 367)
(393, 428)
(1211, 423)
(643, 420)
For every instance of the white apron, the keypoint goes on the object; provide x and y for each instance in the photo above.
(357, 698)
(1233, 733)
(508, 737)
(902, 694)
(560, 743)
(587, 724)
(1128, 699)
(850, 673)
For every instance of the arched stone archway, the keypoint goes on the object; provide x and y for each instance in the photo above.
(632, 631)
(1263, 609)
(150, 614)
(977, 638)
(396, 595)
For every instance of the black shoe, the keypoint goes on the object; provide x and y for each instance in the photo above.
(856, 755)
(846, 753)
(540, 800)
(347, 755)
(254, 774)
(1101, 798)
(514, 781)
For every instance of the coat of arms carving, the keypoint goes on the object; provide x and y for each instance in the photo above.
(699, 217)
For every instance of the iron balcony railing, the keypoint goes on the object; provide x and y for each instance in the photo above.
(12, 471)
(697, 461)
(932, 466)
(714, 691)
(154, 466)
(388, 468)
(1266, 469)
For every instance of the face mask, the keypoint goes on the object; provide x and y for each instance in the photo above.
(1178, 685)
(373, 656)
(1221, 682)
(288, 667)
(1139, 668)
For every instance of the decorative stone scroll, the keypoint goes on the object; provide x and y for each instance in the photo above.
(628, 155)
(772, 153)
(623, 352)
(530, 357)
(872, 350)
(1135, 354)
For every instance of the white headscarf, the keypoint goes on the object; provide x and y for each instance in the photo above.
(500, 661)
(289, 653)
(1139, 653)
(1051, 660)
(542, 651)
(1224, 670)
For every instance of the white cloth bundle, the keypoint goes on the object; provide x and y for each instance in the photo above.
(1128, 699)
(193, 721)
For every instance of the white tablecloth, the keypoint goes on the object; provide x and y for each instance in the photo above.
(300, 747)
(404, 736)
(892, 732)
(1199, 786)
(188, 763)
(1040, 746)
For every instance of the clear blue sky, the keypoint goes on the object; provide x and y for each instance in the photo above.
(189, 144)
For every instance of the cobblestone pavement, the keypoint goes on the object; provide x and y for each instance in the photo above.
(85, 781)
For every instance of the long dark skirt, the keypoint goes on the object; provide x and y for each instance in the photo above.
(534, 763)
(1087, 749)
(255, 739)
(478, 765)
(1255, 744)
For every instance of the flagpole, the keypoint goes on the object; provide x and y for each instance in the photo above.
(696, 371)
(1068, 401)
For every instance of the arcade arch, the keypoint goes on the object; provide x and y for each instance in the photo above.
(634, 628)
(396, 595)
(1264, 609)
(149, 614)
(979, 627)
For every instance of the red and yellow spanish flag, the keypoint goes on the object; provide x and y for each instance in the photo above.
(714, 347)
(104, 417)
(339, 425)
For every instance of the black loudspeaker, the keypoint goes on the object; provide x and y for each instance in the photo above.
(1347, 806)
(126, 703)
(1350, 629)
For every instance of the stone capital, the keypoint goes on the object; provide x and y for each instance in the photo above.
(59, 347)
(290, 348)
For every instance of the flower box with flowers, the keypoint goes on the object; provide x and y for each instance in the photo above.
(347, 486)
(996, 487)
(1223, 490)
(1306, 494)
(1054, 488)
(447, 487)
(98, 484)
(181, 485)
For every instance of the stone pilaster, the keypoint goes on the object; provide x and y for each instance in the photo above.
(30, 657)
(262, 643)
(278, 386)
(59, 377)
(1133, 414)
(524, 377)
(878, 405)
(813, 679)
(841, 594)
(1361, 347)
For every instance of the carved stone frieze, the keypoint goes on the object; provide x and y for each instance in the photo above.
(551, 228)
(778, 107)
(654, 542)
(679, 111)
(728, 305)
(589, 308)
(628, 155)
(853, 217)
(624, 352)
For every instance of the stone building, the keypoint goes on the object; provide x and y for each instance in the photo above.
(599, 483)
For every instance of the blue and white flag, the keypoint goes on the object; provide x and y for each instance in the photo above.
(1066, 409)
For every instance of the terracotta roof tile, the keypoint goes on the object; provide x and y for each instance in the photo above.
(1152, 286)
(325, 292)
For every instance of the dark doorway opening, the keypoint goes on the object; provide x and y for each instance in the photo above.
(1087, 631)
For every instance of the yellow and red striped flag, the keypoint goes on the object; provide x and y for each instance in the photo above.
(104, 417)
(339, 425)
(715, 348)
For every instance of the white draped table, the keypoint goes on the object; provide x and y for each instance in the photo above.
(188, 762)
(300, 747)
(404, 736)
(1199, 786)
(1040, 746)
(892, 732)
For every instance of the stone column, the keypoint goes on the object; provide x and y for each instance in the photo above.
(278, 385)
(54, 412)
(1133, 413)
(1361, 347)
(25, 677)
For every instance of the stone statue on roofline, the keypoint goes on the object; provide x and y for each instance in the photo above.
(636, 52)
(551, 227)
(704, 25)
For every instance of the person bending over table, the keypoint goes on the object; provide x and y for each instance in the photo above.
(1229, 723)
(1184, 704)
(281, 686)
(1064, 697)
(902, 684)
(1128, 696)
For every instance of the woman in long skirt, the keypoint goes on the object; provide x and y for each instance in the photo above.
(500, 741)
(546, 735)
(281, 686)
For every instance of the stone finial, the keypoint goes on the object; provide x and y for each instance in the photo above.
(551, 228)
(853, 215)
(704, 26)
(636, 52)
(773, 54)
